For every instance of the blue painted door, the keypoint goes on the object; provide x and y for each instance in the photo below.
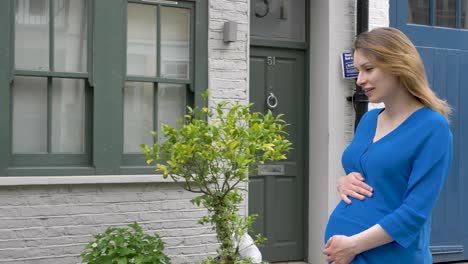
(439, 29)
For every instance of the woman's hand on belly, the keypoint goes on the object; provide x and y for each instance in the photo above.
(353, 185)
(340, 249)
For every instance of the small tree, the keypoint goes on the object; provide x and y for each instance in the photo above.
(214, 160)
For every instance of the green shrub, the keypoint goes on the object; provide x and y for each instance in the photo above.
(212, 153)
(125, 245)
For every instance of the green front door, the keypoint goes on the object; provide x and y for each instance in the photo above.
(277, 191)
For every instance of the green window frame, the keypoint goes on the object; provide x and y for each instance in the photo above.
(50, 75)
(158, 81)
(105, 80)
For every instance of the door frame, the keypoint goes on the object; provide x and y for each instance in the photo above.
(305, 46)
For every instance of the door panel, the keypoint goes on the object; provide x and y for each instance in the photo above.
(444, 69)
(278, 198)
(444, 52)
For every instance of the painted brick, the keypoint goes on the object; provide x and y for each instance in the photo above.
(228, 62)
(33, 231)
(378, 13)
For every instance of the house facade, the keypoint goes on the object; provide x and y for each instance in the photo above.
(82, 83)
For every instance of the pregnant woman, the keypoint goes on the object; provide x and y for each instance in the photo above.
(397, 161)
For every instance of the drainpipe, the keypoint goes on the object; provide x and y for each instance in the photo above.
(360, 100)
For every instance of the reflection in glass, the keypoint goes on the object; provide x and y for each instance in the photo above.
(418, 12)
(32, 35)
(175, 39)
(29, 115)
(171, 105)
(446, 13)
(68, 116)
(464, 12)
(70, 29)
(278, 19)
(138, 115)
(141, 40)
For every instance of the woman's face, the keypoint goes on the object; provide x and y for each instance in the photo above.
(377, 84)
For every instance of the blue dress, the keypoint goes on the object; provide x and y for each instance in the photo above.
(407, 169)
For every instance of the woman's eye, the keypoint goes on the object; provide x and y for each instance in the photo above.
(369, 69)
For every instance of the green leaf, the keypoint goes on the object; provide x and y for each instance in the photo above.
(269, 146)
(162, 168)
(122, 260)
(204, 95)
(233, 144)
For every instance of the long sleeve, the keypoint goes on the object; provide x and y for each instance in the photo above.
(428, 174)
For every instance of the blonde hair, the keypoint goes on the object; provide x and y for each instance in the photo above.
(392, 51)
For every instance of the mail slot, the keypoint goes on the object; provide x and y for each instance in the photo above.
(271, 170)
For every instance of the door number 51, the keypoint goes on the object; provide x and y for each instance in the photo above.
(271, 61)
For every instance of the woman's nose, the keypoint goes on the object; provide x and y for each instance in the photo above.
(360, 80)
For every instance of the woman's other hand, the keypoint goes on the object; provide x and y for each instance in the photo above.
(353, 185)
(340, 249)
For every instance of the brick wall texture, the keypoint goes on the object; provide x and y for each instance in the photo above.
(52, 224)
(228, 62)
(378, 13)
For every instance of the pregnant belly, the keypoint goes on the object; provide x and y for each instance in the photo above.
(351, 219)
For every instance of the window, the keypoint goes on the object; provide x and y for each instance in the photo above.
(440, 13)
(50, 93)
(463, 14)
(159, 59)
(83, 83)
(446, 13)
(418, 12)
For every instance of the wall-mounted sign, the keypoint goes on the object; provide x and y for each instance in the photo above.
(347, 66)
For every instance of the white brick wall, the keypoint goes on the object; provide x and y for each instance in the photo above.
(378, 17)
(52, 224)
(228, 62)
(378, 13)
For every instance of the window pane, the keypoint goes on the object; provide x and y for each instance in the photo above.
(30, 115)
(175, 42)
(37, 7)
(418, 12)
(464, 12)
(171, 105)
(68, 116)
(278, 19)
(138, 115)
(141, 40)
(446, 13)
(70, 29)
(32, 35)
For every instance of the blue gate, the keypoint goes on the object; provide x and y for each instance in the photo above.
(439, 29)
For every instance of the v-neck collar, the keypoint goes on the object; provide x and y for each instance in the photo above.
(395, 130)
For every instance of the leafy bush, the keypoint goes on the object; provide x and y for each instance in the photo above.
(125, 245)
(214, 160)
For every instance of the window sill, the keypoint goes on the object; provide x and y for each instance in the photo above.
(74, 180)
